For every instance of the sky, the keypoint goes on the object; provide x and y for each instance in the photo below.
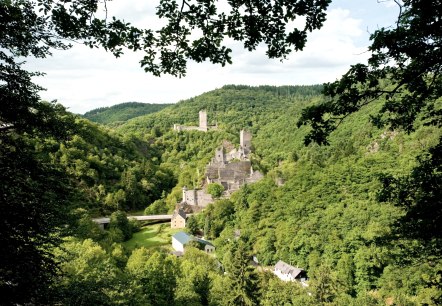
(83, 79)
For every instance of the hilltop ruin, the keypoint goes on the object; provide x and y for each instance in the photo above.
(230, 167)
(203, 125)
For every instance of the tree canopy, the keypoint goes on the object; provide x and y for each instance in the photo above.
(327, 208)
(405, 71)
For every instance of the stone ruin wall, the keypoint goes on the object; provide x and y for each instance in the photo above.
(232, 175)
(203, 125)
(196, 197)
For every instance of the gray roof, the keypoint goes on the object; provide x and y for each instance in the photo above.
(287, 269)
(204, 242)
(182, 237)
(180, 213)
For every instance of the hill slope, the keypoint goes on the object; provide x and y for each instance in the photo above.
(318, 206)
(122, 112)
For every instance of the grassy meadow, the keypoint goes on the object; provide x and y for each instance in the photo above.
(150, 236)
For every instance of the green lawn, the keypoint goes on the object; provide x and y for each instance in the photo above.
(155, 235)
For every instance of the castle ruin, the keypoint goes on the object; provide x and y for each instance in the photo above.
(203, 125)
(231, 169)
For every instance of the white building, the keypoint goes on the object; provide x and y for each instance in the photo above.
(288, 273)
(180, 239)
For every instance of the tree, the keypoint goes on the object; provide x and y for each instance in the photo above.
(242, 276)
(34, 200)
(420, 193)
(404, 71)
(215, 190)
(88, 275)
(157, 275)
(195, 281)
(323, 284)
(192, 225)
(119, 222)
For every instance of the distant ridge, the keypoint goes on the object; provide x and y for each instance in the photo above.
(122, 112)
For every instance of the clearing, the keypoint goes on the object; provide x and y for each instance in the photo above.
(156, 235)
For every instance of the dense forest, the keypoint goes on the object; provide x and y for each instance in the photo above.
(352, 169)
(122, 112)
(319, 208)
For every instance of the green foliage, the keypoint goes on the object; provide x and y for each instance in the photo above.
(217, 217)
(120, 226)
(156, 208)
(215, 190)
(113, 172)
(192, 225)
(122, 112)
(194, 285)
(232, 108)
(242, 277)
(277, 292)
(89, 275)
(34, 202)
(420, 194)
(157, 275)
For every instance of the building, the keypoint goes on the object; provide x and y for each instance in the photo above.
(232, 167)
(208, 247)
(196, 198)
(288, 273)
(203, 125)
(178, 219)
(180, 239)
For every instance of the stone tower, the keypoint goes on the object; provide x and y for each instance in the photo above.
(245, 141)
(219, 155)
(203, 120)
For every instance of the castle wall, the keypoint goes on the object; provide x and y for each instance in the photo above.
(204, 199)
(240, 166)
(203, 125)
(219, 155)
(189, 196)
(195, 197)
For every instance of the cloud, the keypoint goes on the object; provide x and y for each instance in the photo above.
(331, 47)
(84, 78)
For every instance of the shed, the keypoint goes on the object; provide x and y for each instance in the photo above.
(208, 246)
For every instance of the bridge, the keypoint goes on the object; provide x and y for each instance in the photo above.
(105, 220)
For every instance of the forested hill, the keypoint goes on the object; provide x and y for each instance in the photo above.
(321, 208)
(122, 112)
(232, 107)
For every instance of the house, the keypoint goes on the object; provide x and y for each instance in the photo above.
(180, 239)
(288, 273)
(178, 219)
